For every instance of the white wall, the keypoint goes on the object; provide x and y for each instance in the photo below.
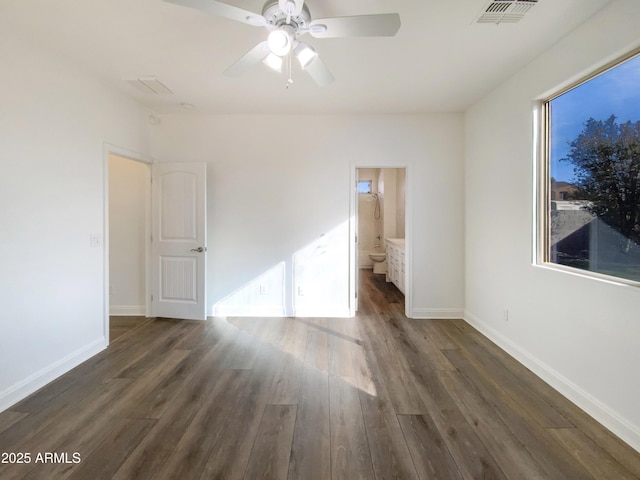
(279, 205)
(579, 334)
(54, 120)
(129, 195)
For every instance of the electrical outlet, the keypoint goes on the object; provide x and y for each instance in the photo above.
(263, 289)
(95, 240)
(300, 291)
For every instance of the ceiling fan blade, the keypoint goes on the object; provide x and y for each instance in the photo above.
(384, 25)
(319, 72)
(224, 10)
(253, 56)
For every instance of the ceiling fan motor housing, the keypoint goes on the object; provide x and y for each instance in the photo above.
(276, 17)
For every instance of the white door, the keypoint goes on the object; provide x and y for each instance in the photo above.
(178, 243)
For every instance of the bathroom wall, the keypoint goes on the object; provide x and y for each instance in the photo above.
(368, 226)
(393, 204)
(401, 188)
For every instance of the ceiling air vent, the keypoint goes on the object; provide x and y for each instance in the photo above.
(505, 11)
(149, 84)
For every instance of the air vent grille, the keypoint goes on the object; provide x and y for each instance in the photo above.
(505, 11)
(150, 84)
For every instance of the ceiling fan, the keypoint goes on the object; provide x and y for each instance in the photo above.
(286, 20)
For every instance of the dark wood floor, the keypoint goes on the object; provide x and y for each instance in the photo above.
(374, 397)
(122, 325)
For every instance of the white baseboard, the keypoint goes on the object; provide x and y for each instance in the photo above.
(437, 313)
(328, 312)
(127, 310)
(247, 311)
(26, 387)
(624, 429)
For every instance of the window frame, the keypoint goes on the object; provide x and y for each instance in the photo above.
(542, 176)
(370, 182)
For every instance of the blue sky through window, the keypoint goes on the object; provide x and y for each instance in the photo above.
(364, 186)
(615, 92)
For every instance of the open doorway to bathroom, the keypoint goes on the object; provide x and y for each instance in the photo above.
(380, 225)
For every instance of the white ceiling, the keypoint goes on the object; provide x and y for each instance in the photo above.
(440, 60)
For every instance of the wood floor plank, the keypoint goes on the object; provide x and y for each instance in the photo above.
(536, 440)
(119, 326)
(229, 457)
(124, 436)
(413, 335)
(593, 458)
(469, 452)
(514, 460)
(285, 385)
(207, 429)
(528, 398)
(432, 329)
(272, 448)
(47, 436)
(9, 417)
(317, 352)
(389, 452)
(350, 453)
(311, 453)
(147, 460)
(393, 367)
(86, 428)
(206, 355)
(429, 452)
(294, 341)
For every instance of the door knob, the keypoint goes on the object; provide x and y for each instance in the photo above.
(199, 249)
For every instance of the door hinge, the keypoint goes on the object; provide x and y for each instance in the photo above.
(152, 297)
(356, 238)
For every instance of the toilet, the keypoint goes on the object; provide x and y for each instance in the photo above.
(379, 262)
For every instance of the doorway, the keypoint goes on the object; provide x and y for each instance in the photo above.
(380, 228)
(128, 229)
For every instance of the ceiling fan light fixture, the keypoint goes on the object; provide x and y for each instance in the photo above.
(273, 61)
(280, 42)
(305, 54)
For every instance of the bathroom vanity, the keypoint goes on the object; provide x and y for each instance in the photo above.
(395, 262)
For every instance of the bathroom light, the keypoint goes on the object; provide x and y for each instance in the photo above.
(280, 42)
(305, 54)
(274, 62)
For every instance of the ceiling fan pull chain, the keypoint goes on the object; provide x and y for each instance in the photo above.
(289, 80)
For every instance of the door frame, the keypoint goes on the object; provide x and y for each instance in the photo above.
(109, 150)
(408, 234)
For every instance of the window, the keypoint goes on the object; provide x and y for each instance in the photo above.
(364, 186)
(590, 196)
